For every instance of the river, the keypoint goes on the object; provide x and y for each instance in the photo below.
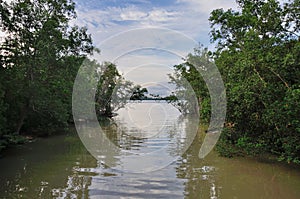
(61, 166)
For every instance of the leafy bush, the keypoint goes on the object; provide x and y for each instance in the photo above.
(259, 63)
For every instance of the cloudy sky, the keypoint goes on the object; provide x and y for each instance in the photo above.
(145, 38)
(107, 17)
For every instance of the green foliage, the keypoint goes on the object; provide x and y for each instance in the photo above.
(14, 139)
(249, 146)
(100, 87)
(171, 98)
(3, 107)
(11, 139)
(138, 93)
(108, 79)
(3, 144)
(191, 88)
(40, 57)
(225, 146)
(258, 55)
(205, 110)
(240, 146)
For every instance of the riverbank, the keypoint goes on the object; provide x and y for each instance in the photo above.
(11, 140)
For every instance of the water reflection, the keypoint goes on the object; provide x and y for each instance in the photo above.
(43, 168)
(61, 167)
(217, 177)
(144, 137)
(201, 174)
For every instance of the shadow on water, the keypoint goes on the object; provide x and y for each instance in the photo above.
(218, 177)
(46, 168)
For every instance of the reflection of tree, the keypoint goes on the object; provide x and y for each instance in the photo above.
(182, 134)
(118, 133)
(200, 177)
(52, 171)
(77, 187)
(79, 180)
(107, 142)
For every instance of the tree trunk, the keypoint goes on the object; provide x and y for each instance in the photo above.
(23, 114)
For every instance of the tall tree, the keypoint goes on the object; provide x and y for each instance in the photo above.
(258, 55)
(108, 80)
(40, 56)
(190, 85)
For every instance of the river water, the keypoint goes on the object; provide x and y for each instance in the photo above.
(62, 167)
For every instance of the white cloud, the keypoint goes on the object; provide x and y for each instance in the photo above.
(208, 6)
(146, 55)
(156, 73)
(161, 15)
(155, 15)
(133, 15)
(112, 20)
(189, 17)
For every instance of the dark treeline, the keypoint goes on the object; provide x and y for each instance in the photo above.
(40, 56)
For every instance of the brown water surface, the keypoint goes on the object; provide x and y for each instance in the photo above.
(61, 167)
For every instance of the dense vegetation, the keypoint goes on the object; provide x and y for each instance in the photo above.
(260, 66)
(40, 56)
(258, 55)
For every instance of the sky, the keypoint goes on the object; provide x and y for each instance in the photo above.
(107, 17)
(146, 38)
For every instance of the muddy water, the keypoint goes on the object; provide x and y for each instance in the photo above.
(61, 166)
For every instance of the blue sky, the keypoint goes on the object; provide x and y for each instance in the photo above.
(187, 18)
(107, 17)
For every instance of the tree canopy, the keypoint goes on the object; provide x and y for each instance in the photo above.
(40, 55)
(258, 55)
